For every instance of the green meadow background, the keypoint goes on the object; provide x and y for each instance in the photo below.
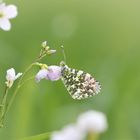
(100, 37)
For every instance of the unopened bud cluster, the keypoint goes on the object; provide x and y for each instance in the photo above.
(45, 50)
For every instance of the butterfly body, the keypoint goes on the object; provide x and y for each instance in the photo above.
(79, 84)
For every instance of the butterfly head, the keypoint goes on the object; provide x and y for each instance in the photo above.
(62, 64)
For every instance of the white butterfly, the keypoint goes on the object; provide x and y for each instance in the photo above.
(79, 84)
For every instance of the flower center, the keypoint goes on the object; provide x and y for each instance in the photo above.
(1, 15)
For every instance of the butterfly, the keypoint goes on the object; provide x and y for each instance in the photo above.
(79, 84)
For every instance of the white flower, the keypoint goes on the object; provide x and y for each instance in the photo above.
(6, 13)
(11, 77)
(92, 121)
(69, 132)
(52, 73)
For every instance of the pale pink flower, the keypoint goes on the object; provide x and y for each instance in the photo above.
(52, 73)
(7, 12)
(11, 76)
(41, 74)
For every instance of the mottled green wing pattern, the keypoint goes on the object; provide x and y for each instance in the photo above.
(79, 84)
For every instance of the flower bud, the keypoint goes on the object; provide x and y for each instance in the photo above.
(44, 44)
(51, 51)
(47, 48)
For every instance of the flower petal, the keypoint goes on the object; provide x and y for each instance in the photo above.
(54, 73)
(41, 75)
(69, 132)
(92, 121)
(5, 24)
(18, 75)
(10, 11)
(10, 76)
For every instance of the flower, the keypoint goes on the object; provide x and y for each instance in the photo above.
(11, 77)
(69, 132)
(41, 75)
(6, 13)
(52, 73)
(92, 121)
(90, 124)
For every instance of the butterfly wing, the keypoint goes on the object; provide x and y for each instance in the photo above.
(79, 84)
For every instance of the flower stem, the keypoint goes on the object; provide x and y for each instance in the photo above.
(28, 68)
(93, 136)
(44, 136)
(24, 82)
(5, 95)
(3, 106)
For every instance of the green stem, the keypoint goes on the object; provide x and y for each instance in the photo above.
(29, 67)
(3, 106)
(93, 136)
(44, 136)
(24, 82)
(12, 99)
(5, 95)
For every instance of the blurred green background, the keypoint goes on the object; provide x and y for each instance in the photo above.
(100, 37)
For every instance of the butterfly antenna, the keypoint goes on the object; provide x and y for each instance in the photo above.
(63, 52)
